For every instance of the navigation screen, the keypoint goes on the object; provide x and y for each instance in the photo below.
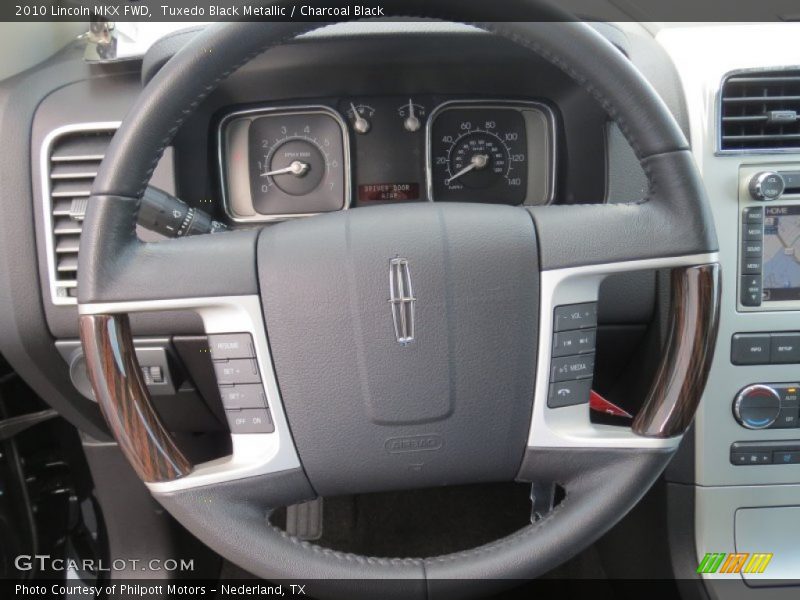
(781, 279)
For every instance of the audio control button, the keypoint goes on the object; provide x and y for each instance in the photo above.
(767, 185)
(753, 215)
(750, 290)
(753, 248)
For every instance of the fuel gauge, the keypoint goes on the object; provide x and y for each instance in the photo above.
(412, 114)
(360, 115)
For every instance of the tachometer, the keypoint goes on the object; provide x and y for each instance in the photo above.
(484, 153)
(279, 163)
(297, 163)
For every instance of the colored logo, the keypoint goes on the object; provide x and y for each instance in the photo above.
(739, 562)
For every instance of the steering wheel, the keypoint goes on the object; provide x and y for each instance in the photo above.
(354, 406)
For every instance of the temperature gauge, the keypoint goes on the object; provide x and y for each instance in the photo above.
(412, 114)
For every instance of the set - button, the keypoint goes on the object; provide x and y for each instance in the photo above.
(750, 283)
(572, 364)
(239, 380)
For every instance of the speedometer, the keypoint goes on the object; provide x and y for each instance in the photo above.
(490, 153)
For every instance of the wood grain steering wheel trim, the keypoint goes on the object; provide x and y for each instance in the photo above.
(123, 397)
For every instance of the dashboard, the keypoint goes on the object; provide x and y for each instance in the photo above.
(278, 162)
(352, 120)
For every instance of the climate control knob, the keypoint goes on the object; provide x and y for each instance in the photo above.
(767, 185)
(757, 406)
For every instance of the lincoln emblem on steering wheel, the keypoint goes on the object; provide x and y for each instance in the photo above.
(402, 300)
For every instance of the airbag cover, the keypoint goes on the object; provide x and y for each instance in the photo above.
(370, 413)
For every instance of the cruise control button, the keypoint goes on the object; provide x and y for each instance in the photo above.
(568, 393)
(250, 420)
(572, 367)
(785, 348)
(231, 345)
(575, 316)
(243, 396)
(750, 290)
(237, 371)
(574, 342)
(750, 348)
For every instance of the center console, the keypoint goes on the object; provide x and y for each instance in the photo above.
(746, 436)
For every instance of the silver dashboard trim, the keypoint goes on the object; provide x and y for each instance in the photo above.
(570, 426)
(253, 454)
(718, 151)
(276, 111)
(47, 202)
(491, 103)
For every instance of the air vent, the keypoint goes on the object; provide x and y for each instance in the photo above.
(71, 158)
(761, 112)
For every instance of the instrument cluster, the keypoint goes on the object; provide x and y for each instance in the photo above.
(279, 162)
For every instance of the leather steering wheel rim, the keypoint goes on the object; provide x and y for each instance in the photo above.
(601, 483)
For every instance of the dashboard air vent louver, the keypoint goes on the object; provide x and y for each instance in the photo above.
(72, 160)
(761, 111)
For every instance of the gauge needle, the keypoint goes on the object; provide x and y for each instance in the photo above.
(478, 161)
(411, 122)
(360, 123)
(298, 168)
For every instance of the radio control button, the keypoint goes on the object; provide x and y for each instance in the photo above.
(750, 289)
(579, 341)
(753, 215)
(750, 348)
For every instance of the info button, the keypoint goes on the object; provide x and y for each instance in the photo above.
(750, 348)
